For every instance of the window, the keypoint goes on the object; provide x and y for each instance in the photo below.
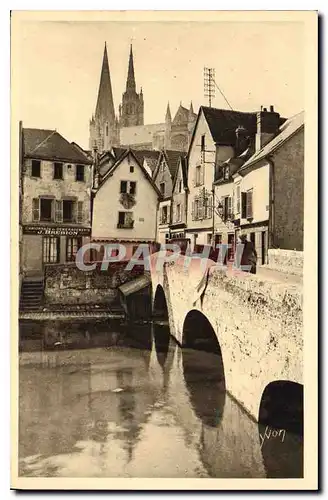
(125, 220)
(226, 173)
(164, 215)
(209, 238)
(36, 168)
(46, 209)
(107, 129)
(178, 212)
(72, 247)
(51, 249)
(68, 209)
(80, 173)
(199, 180)
(180, 186)
(58, 170)
(131, 169)
(243, 205)
(133, 187)
(162, 188)
(195, 210)
(124, 187)
(202, 144)
(249, 204)
(207, 207)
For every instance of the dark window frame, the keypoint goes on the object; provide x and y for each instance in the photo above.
(45, 201)
(80, 169)
(37, 164)
(73, 244)
(48, 254)
(61, 170)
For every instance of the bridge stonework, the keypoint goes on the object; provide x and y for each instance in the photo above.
(258, 322)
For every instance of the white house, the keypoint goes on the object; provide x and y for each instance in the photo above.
(125, 205)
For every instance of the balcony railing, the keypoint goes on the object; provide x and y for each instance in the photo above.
(125, 225)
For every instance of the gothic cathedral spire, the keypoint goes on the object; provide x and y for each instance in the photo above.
(130, 82)
(103, 126)
(132, 107)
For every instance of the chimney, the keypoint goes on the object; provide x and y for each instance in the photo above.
(267, 127)
(241, 140)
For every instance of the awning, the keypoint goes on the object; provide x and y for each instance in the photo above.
(135, 285)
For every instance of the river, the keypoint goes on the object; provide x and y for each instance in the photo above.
(108, 401)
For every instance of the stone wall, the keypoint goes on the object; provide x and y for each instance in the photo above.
(286, 261)
(289, 194)
(66, 284)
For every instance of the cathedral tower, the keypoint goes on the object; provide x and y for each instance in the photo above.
(104, 130)
(132, 108)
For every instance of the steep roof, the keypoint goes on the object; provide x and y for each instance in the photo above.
(50, 145)
(172, 158)
(184, 169)
(223, 123)
(287, 129)
(117, 163)
(151, 155)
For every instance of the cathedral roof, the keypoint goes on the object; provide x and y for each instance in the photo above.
(105, 104)
(140, 134)
(50, 145)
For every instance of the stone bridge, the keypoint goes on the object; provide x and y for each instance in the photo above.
(255, 324)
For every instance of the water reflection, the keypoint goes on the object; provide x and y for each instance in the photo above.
(99, 413)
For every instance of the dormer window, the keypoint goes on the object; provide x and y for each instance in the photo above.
(226, 173)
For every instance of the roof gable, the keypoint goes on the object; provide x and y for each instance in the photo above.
(128, 152)
(287, 130)
(50, 145)
(182, 167)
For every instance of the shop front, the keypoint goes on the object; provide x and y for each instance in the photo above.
(49, 244)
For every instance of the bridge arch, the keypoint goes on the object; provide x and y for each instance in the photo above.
(203, 368)
(281, 406)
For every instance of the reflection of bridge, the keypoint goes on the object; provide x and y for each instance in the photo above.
(254, 322)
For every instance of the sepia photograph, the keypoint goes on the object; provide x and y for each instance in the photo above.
(163, 240)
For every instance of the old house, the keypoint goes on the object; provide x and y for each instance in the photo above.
(125, 205)
(56, 180)
(179, 203)
(214, 141)
(164, 177)
(271, 188)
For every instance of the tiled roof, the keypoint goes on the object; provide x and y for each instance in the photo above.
(287, 129)
(50, 145)
(172, 158)
(223, 123)
(150, 155)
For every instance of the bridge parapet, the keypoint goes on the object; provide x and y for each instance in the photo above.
(257, 319)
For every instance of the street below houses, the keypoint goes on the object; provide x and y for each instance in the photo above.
(126, 401)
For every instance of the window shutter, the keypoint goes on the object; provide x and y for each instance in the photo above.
(59, 211)
(243, 205)
(202, 180)
(79, 218)
(193, 211)
(249, 205)
(229, 206)
(35, 209)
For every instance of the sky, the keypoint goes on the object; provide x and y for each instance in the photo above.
(58, 68)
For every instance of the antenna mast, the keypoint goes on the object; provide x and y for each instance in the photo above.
(209, 84)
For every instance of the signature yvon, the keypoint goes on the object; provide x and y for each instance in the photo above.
(270, 433)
